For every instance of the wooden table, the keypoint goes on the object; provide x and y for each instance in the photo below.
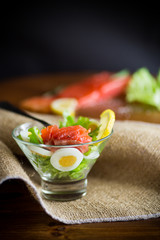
(23, 218)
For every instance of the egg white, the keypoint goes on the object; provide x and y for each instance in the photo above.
(92, 155)
(40, 151)
(64, 152)
(24, 134)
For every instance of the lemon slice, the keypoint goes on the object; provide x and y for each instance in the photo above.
(107, 119)
(60, 105)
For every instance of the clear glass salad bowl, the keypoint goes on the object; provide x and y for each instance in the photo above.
(63, 169)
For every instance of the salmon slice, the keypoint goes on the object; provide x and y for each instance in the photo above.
(37, 104)
(90, 91)
(71, 135)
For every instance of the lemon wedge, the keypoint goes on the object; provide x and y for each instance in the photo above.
(107, 119)
(60, 105)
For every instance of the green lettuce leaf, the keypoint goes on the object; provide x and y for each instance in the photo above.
(93, 134)
(83, 121)
(158, 77)
(20, 137)
(35, 136)
(68, 120)
(144, 88)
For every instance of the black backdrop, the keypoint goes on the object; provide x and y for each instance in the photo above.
(66, 37)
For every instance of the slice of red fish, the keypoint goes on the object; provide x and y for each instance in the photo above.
(89, 92)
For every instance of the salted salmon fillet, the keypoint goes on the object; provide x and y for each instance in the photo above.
(72, 135)
(88, 92)
(37, 104)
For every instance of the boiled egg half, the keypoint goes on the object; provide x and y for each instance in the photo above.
(25, 135)
(40, 151)
(66, 159)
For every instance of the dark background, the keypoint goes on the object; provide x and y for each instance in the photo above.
(83, 37)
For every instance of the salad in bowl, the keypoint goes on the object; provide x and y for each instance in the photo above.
(64, 154)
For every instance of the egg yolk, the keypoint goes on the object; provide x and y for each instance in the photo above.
(67, 161)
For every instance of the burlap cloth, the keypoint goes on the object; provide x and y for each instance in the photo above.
(124, 184)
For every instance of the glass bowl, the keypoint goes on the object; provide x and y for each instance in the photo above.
(63, 169)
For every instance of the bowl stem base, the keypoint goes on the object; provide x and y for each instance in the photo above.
(63, 191)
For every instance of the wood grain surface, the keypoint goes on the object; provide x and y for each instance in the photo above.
(23, 218)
